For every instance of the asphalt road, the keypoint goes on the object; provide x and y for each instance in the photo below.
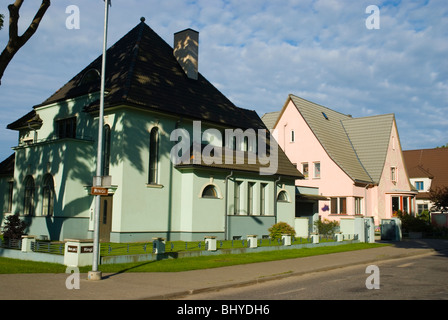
(416, 278)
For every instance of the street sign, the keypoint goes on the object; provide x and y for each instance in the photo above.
(98, 191)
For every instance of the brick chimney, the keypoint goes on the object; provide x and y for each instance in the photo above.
(186, 51)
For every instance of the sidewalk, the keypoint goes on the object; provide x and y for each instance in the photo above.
(133, 286)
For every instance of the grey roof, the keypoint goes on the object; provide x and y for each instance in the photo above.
(270, 119)
(357, 145)
(370, 138)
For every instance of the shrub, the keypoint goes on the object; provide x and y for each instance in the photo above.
(326, 227)
(276, 231)
(14, 227)
(413, 224)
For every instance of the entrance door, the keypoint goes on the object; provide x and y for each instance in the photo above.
(105, 218)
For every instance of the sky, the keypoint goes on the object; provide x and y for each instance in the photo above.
(337, 53)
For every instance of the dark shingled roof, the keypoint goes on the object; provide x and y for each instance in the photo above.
(7, 166)
(141, 71)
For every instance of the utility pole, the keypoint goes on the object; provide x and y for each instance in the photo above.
(97, 180)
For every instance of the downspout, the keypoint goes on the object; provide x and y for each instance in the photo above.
(365, 199)
(275, 198)
(226, 216)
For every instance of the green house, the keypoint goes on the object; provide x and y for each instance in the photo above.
(180, 160)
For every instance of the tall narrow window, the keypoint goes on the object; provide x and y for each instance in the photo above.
(250, 198)
(236, 197)
(305, 170)
(10, 194)
(263, 188)
(106, 150)
(343, 205)
(317, 170)
(29, 196)
(358, 205)
(393, 174)
(293, 136)
(48, 196)
(153, 156)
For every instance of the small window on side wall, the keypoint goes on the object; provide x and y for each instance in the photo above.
(209, 192)
(282, 196)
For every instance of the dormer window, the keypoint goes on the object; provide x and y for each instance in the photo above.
(91, 76)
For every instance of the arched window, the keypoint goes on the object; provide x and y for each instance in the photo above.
(106, 150)
(29, 196)
(48, 195)
(90, 77)
(153, 156)
(210, 192)
(282, 196)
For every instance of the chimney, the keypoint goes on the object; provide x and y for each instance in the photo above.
(186, 50)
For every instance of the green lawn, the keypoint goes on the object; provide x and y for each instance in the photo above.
(175, 265)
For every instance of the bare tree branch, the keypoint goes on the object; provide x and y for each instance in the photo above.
(15, 41)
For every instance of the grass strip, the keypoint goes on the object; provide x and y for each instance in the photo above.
(184, 264)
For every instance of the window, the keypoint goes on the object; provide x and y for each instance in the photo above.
(153, 156)
(317, 170)
(358, 205)
(236, 197)
(66, 128)
(106, 150)
(90, 77)
(210, 192)
(334, 205)
(48, 196)
(282, 196)
(338, 205)
(419, 185)
(29, 196)
(393, 174)
(395, 204)
(305, 170)
(263, 188)
(250, 198)
(422, 207)
(293, 138)
(10, 194)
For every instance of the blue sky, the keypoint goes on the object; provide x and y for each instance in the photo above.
(257, 52)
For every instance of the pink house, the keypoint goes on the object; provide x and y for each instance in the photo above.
(356, 163)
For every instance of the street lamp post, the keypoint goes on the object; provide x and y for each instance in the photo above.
(95, 274)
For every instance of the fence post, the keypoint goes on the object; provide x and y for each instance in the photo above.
(286, 239)
(210, 243)
(27, 243)
(252, 241)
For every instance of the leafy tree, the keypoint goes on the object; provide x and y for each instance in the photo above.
(14, 227)
(15, 41)
(439, 196)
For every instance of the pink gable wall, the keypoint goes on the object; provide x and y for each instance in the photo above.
(387, 188)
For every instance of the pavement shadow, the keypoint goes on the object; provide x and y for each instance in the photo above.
(439, 245)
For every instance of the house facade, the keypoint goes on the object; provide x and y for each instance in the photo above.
(427, 169)
(356, 163)
(180, 160)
